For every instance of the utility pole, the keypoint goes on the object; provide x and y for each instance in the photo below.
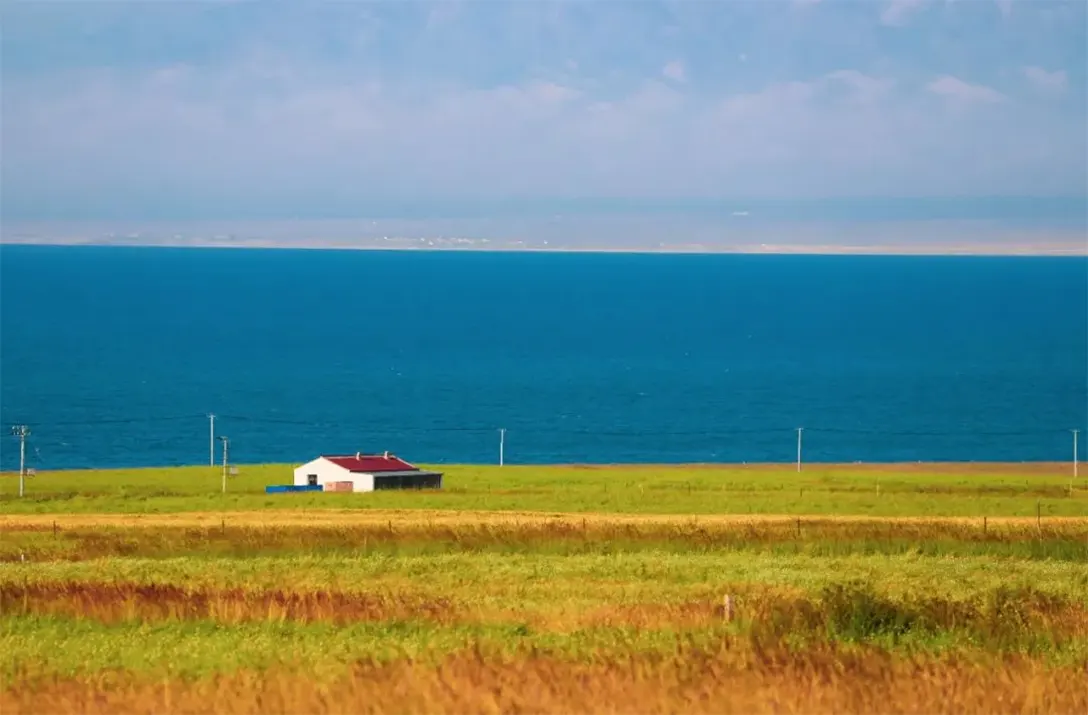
(1075, 433)
(502, 444)
(226, 446)
(22, 432)
(211, 440)
(799, 431)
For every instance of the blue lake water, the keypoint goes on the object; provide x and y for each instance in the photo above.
(114, 356)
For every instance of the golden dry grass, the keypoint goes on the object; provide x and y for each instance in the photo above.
(729, 680)
(112, 602)
(413, 518)
(766, 611)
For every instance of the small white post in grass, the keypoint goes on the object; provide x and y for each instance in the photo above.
(799, 431)
(502, 444)
(727, 608)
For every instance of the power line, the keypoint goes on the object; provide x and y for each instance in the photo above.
(916, 433)
(544, 429)
(674, 433)
(369, 428)
(119, 421)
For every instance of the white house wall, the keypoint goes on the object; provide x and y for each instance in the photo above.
(325, 470)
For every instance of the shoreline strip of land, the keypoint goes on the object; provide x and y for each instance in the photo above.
(933, 250)
(1051, 468)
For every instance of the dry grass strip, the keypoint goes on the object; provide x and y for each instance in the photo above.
(729, 681)
(446, 518)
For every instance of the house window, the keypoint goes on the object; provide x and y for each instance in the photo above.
(311, 479)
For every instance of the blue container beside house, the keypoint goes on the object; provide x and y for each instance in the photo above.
(283, 488)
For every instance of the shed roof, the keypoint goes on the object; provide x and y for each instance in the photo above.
(371, 463)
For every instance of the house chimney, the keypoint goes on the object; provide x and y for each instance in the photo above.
(358, 455)
(386, 455)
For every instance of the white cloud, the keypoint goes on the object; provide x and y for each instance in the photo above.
(675, 71)
(577, 100)
(441, 14)
(898, 12)
(1055, 82)
(865, 87)
(554, 93)
(776, 96)
(1005, 6)
(199, 133)
(956, 89)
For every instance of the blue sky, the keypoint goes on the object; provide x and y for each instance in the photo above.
(250, 110)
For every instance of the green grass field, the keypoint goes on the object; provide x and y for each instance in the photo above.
(893, 490)
(951, 588)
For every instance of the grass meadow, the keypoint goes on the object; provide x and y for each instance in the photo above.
(899, 588)
(889, 490)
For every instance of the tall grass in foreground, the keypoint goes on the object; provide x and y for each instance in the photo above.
(1004, 619)
(721, 680)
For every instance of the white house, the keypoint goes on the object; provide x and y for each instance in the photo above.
(367, 472)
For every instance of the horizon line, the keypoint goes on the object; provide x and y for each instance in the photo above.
(791, 465)
(1061, 250)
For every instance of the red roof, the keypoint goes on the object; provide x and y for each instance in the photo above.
(371, 463)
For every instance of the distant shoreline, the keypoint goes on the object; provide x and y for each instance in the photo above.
(988, 250)
(898, 467)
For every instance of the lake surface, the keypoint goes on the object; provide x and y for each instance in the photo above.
(114, 356)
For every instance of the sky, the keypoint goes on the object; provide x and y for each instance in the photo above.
(247, 110)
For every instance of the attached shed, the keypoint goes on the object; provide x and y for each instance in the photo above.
(367, 472)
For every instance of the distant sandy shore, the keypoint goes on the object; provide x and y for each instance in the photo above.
(1041, 250)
